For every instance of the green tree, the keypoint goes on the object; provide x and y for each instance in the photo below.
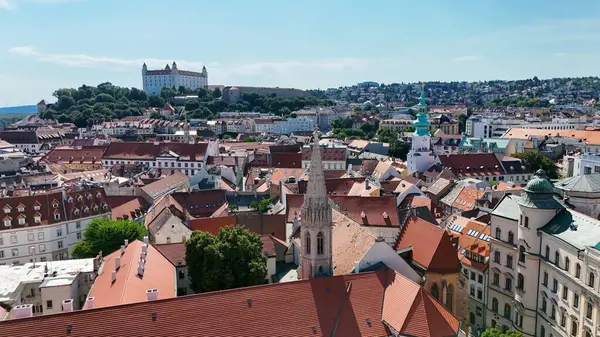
(249, 140)
(106, 235)
(497, 333)
(262, 206)
(534, 161)
(217, 93)
(156, 101)
(232, 259)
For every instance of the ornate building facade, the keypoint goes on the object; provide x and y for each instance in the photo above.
(316, 229)
(420, 157)
(171, 77)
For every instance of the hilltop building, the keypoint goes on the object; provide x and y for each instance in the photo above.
(155, 80)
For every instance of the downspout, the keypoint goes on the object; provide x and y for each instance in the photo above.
(537, 295)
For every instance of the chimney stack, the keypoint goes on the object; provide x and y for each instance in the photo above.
(126, 243)
(152, 294)
(122, 249)
(67, 305)
(144, 248)
(113, 276)
(89, 303)
(141, 270)
(117, 262)
(23, 311)
(146, 239)
(356, 267)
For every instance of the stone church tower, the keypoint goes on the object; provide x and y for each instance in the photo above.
(316, 228)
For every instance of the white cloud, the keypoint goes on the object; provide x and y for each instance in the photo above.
(466, 58)
(5, 4)
(12, 4)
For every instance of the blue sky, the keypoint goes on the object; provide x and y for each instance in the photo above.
(48, 44)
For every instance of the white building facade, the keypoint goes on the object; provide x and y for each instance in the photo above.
(171, 77)
(420, 157)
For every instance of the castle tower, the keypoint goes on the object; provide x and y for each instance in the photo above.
(144, 68)
(316, 227)
(420, 157)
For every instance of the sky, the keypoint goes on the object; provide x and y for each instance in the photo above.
(307, 44)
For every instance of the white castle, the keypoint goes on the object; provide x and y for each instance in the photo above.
(155, 80)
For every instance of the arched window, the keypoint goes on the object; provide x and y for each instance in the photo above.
(567, 264)
(542, 331)
(591, 280)
(511, 237)
(498, 233)
(495, 305)
(574, 328)
(527, 221)
(307, 243)
(435, 292)
(557, 258)
(320, 243)
(493, 324)
(547, 252)
(520, 281)
(497, 256)
(449, 298)
(578, 270)
(507, 311)
(471, 318)
(522, 254)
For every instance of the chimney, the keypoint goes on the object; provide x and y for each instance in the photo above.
(67, 305)
(23, 311)
(89, 303)
(367, 187)
(145, 248)
(117, 263)
(141, 270)
(126, 243)
(122, 249)
(113, 276)
(152, 294)
(356, 267)
(146, 239)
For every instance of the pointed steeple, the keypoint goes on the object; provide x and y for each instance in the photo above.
(422, 100)
(316, 183)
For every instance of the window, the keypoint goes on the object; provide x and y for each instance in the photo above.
(42, 248)
(320, 243)
(542, 331)
(7, 222)
(56, 216)
(507, 311)
(60, 244)
(565, 293)
(496, 279)
(553, 312)
(589, 310)
(1, 254)
(78, 225)
(575, 300)
(520, 281)
(574, 328)
(508, 284)
(480, 279)
(307, 239)
(547, 252)
(472, 318)
(555, 286)
(498, 233)
(519, 320)
(48, 304)
(567, 264)
(13, 239)
(522, 254)
(30, 237)
(472, 276)
(21, 221)
(497, 256)
(527, 221)
(493, 324)
(14, 252)
(450, 297)
(545, 279)
(434, 291)
(59, 232)
(544, 304)
(511, 237)
(78, 235)
(591, 280)
(509, 261)
(495, 305)
(1, 241)
(578, 270)
(472, 290)
(40, 235)
(479, 294)
(563, 319)
(37, 218)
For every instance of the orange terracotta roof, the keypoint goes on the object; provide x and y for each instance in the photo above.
(129, 208)
(174, 252)
(212, 225)
(503, 186)
(283, 173)
(268, 245)
(359, 303)
(129, 287)
(137, 150)
(350, 243)
(377, 211)
(587, 136)
(334, 186)
(467, 199)
(469, 235)
(431, 245)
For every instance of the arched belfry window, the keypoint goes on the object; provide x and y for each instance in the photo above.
(307, 243)
(320, 243)
(435, 291)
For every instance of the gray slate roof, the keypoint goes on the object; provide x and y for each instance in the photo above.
(575, 228)
(508, 207)
(583, 183)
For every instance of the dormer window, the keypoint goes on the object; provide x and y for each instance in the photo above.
(79, 198)
(95, 208)
(55, 203)
(104, 206)
(86, 210)
(37, 218)
(7, 209)
(21, 208)
(385, 215)
(98, 195)
(76, 211)
(37, 206)
(7, 221)
(69, 200)
(89, 196)
(56, 215)
(21, 220)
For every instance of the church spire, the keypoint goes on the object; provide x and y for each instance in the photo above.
(316, 218)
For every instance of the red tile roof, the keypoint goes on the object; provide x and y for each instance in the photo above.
(126, 207)
(359, 303)
(149, 151)
(175, 181)
(82, 154)
(337, 186)
(174, 252)
(200, 204)
(467, 199)
(40, 206)
(327, 153)
(129, 287)
(374, 209)
(211, 225)
(84, 203)
(431, 246)
(473, 164)
(286, 159)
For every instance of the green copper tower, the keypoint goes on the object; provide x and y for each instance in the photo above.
(422, 124)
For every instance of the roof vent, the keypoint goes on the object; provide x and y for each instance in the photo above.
(153, 317)
(113, 276)
(573, 226)
(69, 328)
(152, 294)
(385, 215)
(23, 311)
(362, 214)
(314, 329)
(368, 321)
(67, 305)
(89, 303)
